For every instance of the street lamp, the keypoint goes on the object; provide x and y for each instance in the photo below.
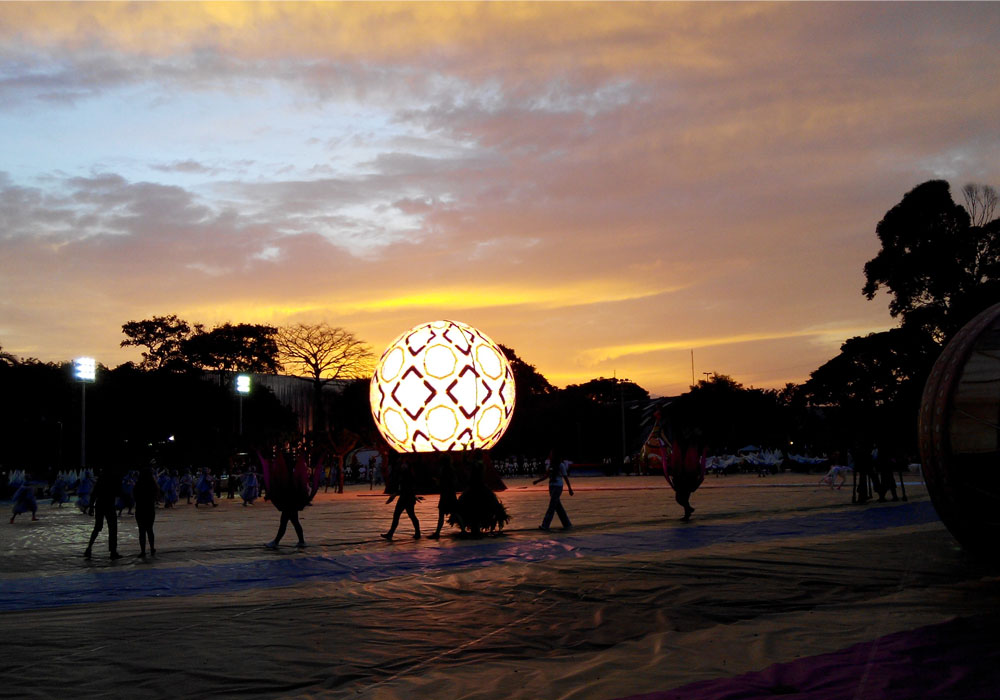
(242, 388)
(85, 371)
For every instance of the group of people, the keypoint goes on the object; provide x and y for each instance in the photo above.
(291, 480)
(476, 511)
(204, 488)
(106, 505)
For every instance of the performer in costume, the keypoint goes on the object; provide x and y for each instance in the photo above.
(251, 488)
(24, 500)
(479, 509)
(204, 489)
(59, 490)
(145, 509)
(168, 484)
(125, 500)
(186, 486)
(407, 494)
(684, 470)
(448, 502)
(162, 482)
(84, 492)
(288, 488)
(556, 471)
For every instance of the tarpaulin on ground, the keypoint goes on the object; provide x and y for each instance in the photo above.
(768, 589)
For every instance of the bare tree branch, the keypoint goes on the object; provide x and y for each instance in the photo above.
(324, 352)
(980, 202)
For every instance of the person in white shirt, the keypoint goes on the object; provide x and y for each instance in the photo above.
(556, 472)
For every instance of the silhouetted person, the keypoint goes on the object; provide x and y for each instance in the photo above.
(406, 491)
(864, 475)
(144, 494)
(24, 500)
(85, 493)
(59, 491)
(251, 487)
(885, 468)
(448, 502)
(186, 486)
(556, 472)
(204, 489)
(479, 510)
(684, 470)
(288, 488)
(105, 498)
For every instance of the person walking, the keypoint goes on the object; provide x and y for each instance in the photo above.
(204, 489)
(556, 472)
(448, 502)
(144, 494)
(105, 497)
(406, 491)
(288, 489)
(24, 501)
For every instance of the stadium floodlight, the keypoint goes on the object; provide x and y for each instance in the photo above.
(85, 369)
(243, 383)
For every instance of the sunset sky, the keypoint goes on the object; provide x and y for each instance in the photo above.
(602, 187)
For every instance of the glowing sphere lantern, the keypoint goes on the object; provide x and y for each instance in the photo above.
(442, 386)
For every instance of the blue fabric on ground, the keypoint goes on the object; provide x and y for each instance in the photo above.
(108, 586)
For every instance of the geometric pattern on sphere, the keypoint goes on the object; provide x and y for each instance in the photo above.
(442, 386)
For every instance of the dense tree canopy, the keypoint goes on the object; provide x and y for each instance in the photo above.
(163, 338)
(939, 268)
(875, 370)
(528, 381)
(607, 391)
(243, 347)
(722, 415)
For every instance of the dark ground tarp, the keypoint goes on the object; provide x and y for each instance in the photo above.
(772, 590)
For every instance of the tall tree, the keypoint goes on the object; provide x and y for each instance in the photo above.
(528, 381)
(162, 336)
(876, 370)
(243, 347)
(721, 414)
(939, 268)
(608, 391)
(323, 353)
(980, 202)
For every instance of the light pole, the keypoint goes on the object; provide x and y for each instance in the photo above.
(621, 396)
(85, 370)
(242, 388)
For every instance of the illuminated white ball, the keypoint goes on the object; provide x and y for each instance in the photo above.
(442, 386)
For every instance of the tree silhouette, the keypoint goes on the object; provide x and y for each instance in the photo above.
(162, 336)
(244, 347)
(528, 381)
(980, 202)
(323, 353)
(939, 268)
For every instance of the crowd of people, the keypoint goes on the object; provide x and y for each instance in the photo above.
(137, 492)
(290, 477)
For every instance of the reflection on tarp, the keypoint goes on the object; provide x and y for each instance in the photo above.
(956, 659)
(106, 586)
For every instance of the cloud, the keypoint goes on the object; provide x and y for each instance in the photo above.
(605, 184)
(189, 166)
